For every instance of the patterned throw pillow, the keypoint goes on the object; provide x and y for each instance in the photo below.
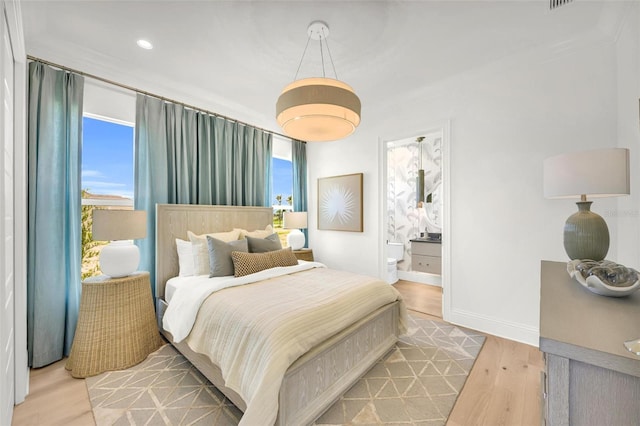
(250, 263)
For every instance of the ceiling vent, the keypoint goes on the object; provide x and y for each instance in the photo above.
(557, 3)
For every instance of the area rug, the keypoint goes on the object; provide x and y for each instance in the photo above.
(416, 383)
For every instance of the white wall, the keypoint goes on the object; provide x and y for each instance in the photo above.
(358, 250)
(103, 100)
(505, 119)
(627, 214)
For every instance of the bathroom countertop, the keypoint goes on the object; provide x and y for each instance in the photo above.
(425, 240)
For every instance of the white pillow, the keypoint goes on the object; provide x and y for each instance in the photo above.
(185, 258)
(201, 249)
(259, 233)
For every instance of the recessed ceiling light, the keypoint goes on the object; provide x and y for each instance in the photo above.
(144, 44)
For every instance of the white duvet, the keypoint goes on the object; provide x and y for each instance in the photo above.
(253, 333)
(186, 299)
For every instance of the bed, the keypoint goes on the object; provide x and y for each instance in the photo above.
(319, 376)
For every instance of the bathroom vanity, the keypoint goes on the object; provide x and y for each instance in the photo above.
(426, 255)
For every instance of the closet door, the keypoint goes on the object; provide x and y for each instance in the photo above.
(7, 281)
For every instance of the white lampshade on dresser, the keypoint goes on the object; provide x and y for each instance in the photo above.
(120, 257)
(295, 221)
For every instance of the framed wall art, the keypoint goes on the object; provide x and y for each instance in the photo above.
(340, 203)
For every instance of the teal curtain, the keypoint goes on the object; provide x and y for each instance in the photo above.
(183, 156)
(54, 224)
(299, 164)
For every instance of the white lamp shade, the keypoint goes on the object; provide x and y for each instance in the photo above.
(597, 173)
(295, 220)
(318, 109)
(111, 225)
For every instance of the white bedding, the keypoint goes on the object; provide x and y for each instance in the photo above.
(176, 282)
(254, 333)
(188, 293)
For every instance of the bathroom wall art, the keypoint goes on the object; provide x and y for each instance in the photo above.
(405, 219)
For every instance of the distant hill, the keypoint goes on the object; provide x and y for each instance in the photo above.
(105, 200)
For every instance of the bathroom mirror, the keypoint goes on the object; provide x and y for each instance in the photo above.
(433, 209)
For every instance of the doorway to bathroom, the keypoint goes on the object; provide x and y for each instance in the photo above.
(415, 170)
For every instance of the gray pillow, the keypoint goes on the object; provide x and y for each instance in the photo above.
(220, 262)
(263, 245)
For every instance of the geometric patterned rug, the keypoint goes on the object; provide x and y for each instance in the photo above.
(417, 382)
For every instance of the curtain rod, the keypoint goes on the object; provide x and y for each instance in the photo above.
(143, 92)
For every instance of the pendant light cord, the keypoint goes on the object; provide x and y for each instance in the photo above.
(301, 59)
(322, 55)
(322, 37)
(330, 58)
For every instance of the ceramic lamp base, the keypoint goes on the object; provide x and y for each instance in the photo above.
(586, 235)
(295, 239)
(119, 258)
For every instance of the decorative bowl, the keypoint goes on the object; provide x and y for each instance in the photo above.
(595, 284)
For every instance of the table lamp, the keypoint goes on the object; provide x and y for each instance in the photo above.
(295, 221)
(120, 257)
(595, 173)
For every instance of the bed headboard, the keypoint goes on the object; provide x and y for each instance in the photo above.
(174, 220)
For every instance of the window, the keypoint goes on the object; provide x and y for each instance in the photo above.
(107, 178)
(281, 184)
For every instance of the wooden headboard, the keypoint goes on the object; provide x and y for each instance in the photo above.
(174, 220)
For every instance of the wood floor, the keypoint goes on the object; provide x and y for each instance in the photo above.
(502, 389)
(504, 385)
(55, 398)
(426, 299)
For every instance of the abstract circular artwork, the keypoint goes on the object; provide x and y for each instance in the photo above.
(337, 204)
(340, 203)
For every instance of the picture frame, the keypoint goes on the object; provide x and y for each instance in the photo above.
(340, 203)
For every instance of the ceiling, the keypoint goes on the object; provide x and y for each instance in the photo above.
(234, 57)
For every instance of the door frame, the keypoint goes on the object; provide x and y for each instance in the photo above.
(445, 128)
(13, 15)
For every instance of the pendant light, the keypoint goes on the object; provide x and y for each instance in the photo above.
(420, 178)
(318, 109)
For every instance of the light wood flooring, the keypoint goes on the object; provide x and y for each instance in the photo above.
(502, 389)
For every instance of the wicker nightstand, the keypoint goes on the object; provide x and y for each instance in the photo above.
(304, 254)
(116, 325)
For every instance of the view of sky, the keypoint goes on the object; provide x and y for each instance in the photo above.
(282, 179)
(107, 158)
(107, 161)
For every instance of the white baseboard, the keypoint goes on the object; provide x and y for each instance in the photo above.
(421, 277)
(497, 327)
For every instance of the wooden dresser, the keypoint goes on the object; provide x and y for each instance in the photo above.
(590, 377)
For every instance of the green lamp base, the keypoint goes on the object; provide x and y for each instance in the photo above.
(586, 235)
